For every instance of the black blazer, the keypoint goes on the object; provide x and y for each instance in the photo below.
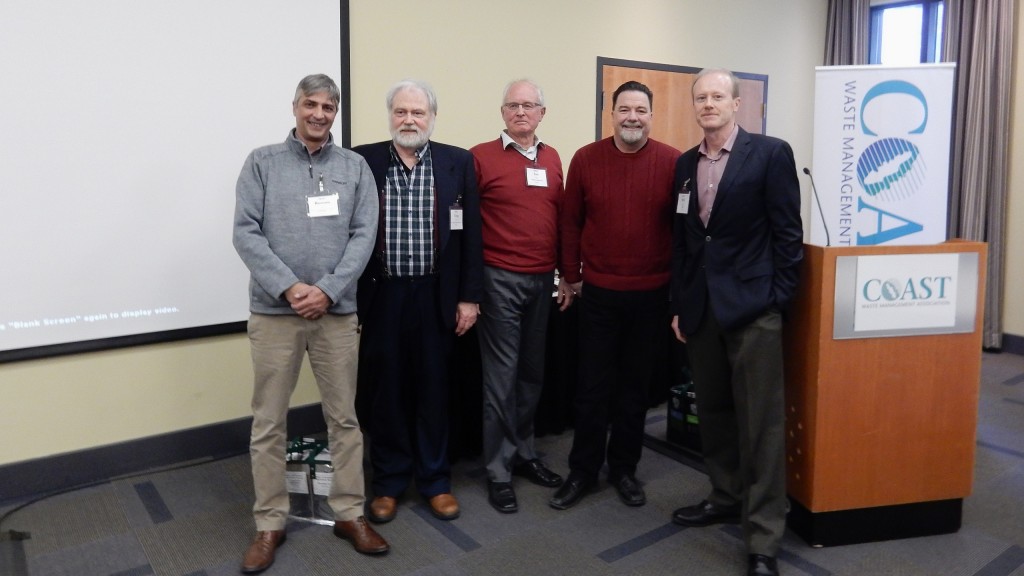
(746, 260)
(460, 254)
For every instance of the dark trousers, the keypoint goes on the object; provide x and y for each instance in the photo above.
(512, 327)
(618, 335)
(738, 378)
(405, 355)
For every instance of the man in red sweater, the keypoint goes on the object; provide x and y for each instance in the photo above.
(520, 183)
(616, 250)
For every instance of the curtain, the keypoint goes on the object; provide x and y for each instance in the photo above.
(847, 32)
(978, 36)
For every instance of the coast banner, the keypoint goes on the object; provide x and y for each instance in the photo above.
(881, 154)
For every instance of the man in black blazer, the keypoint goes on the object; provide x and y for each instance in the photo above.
(737, 248)
(421, 288)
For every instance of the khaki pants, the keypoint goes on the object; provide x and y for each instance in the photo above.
(279, 344)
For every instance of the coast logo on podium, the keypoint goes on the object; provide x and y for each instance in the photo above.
(920, 290)
(881, 153)
(910, 291)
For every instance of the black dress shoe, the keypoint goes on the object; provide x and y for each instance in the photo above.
(760, 565)
(535, 471)
(630, 491)
(706, 514)
(502, 497)
(572, 491)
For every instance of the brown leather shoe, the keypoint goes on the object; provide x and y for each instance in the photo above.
(444, 507)
(363, 537)
(260, 554)
(383, 509)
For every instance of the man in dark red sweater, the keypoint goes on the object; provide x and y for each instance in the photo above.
(616, 249)
(520, 183)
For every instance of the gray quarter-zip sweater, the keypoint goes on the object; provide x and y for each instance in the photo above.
(282, 244)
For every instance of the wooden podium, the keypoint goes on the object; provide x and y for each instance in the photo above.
(880, 430)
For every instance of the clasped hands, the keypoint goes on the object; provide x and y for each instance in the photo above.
(308, 301)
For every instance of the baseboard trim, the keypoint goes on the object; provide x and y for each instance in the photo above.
(62, 472)
(1013, 344)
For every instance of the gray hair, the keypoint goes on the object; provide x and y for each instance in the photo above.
(315, 83)
(540, 93)
(728, 73)
(420, 85)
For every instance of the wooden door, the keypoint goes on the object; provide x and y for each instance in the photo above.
(674, 120)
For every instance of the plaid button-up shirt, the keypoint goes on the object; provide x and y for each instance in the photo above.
(409, 216)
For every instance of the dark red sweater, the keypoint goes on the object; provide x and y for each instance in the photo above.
(520, 222)
(616, 220)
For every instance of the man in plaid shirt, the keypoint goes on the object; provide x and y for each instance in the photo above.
(421, 289)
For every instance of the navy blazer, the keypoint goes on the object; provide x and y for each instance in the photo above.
(460, 254)
(746, 260)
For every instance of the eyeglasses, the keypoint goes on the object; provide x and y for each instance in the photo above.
(515, 106)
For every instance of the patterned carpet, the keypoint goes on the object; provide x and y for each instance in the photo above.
(195, 520)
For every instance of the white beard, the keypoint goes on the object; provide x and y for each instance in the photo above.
(631, 135)
(413, 140)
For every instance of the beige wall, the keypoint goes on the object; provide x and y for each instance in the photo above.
(468, 50)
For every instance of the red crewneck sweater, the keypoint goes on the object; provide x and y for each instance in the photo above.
(616, 221)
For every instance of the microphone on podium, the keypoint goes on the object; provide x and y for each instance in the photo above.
(814, 192)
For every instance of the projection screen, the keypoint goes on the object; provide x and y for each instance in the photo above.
(125, 124)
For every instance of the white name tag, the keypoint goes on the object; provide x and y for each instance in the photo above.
(456, 214)
(537, 177)
(326, 205)
(683, 203)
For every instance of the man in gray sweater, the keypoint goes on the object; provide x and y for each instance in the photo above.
(305, 225)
